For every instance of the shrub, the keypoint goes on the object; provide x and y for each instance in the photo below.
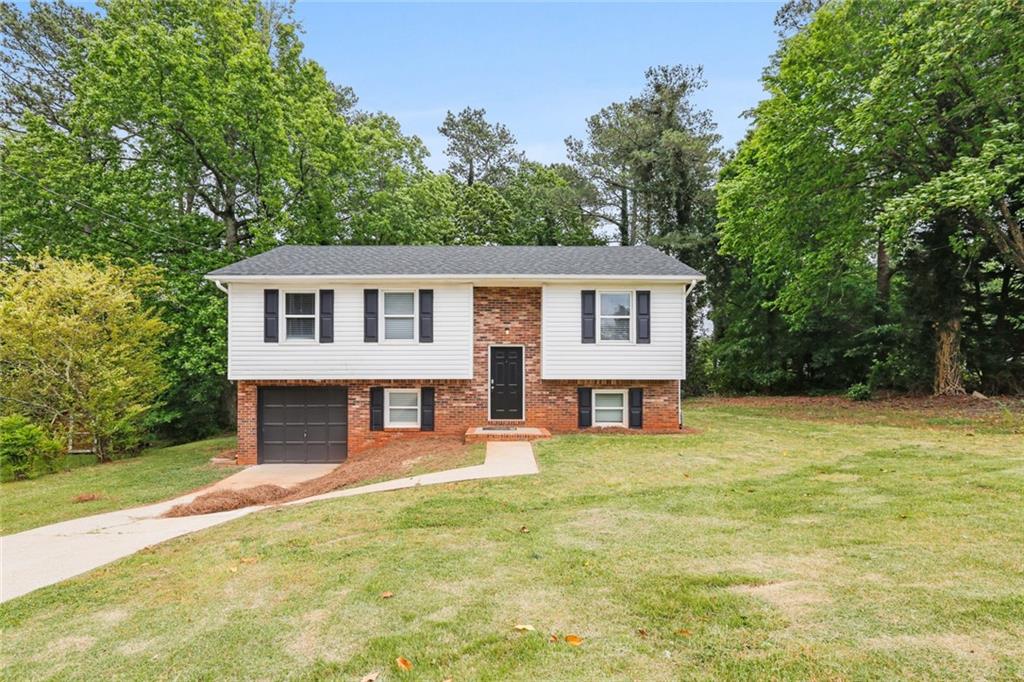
(859, 392)
(81, 349)
(26, 449)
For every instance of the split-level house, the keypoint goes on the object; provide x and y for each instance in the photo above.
(335, 349)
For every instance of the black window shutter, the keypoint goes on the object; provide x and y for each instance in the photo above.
(585, 416)
(589, 301)
(426, 408)
(369, 315)
(426, 316)
(270, 325)
(636, 408)
(643, 317)
(327, 316)
(377, 408)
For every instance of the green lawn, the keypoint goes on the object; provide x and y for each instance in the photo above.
(761, 547)
(156, 474)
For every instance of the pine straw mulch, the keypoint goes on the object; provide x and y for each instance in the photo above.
(1002, 414)
(398, 458)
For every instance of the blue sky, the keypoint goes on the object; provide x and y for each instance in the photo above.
(540, 69)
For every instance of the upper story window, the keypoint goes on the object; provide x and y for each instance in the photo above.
(300, 316)
(616, 314)
(399, 315)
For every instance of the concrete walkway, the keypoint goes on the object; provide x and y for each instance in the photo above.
(43, 556)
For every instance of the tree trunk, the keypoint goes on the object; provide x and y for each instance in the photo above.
(624, 217)
(949, 371)
(883, 280)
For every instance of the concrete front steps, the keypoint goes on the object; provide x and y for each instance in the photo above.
(481, 434)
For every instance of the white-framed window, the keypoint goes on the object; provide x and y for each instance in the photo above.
(399, 318)
(402, 408)
(609, 408)
(615, 315)
(299, 315)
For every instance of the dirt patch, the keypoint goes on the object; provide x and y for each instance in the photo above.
(794, 598)
(983, 648)
(395, 459)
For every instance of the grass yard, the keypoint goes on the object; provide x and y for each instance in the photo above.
(764, 546)
(156, 474)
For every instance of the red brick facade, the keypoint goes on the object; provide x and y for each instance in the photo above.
(502, 316)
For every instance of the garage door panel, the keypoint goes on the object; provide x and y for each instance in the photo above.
(303, 424)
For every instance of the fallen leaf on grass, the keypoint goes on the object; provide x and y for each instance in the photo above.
(250, 559)
(524, 529)
(403, 663)
(523, 628)
(233, 569)
(372, 677)
(683, 632)
(573, 640)
(643, 633)
(86, 497)
(387, 595)
(553, 638)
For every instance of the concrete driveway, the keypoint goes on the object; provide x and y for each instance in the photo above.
(43, 556)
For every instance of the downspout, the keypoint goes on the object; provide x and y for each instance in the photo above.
(219, 285)
(679, 394)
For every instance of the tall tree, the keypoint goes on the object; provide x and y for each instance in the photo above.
(887, 154)
(35, 52)
(479, 151)
(653, 160)
(183, 134)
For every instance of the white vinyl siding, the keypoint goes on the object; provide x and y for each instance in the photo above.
(402, 408)
(450, 356)
(565, 356)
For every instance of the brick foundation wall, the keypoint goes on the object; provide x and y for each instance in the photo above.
(502, 316)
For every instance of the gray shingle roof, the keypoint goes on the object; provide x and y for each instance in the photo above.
(627, 261)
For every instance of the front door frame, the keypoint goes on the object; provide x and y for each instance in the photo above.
(490, 354)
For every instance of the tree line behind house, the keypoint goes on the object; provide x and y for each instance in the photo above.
(865, 233)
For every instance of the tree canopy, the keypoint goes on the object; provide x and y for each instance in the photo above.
(888, 153)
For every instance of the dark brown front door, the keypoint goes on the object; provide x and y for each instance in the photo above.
(302, 425)
(506, 382)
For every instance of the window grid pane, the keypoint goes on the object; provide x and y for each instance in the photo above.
(403, 415)
(398, 327)
(299, 304)
(608, 416)
(299, 327)
(615, 304)
(614, 329)
(608, 400)
(403, 399)
(398, 304)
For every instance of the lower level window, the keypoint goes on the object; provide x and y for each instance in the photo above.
(402, 408)
(609, 408)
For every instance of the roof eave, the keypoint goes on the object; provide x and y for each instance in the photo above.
(213, 277)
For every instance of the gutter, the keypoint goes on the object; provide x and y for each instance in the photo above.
(340, 277)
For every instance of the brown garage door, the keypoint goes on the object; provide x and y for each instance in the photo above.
(303, 424)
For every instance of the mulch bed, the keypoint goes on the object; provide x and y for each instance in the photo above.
(392, 460)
